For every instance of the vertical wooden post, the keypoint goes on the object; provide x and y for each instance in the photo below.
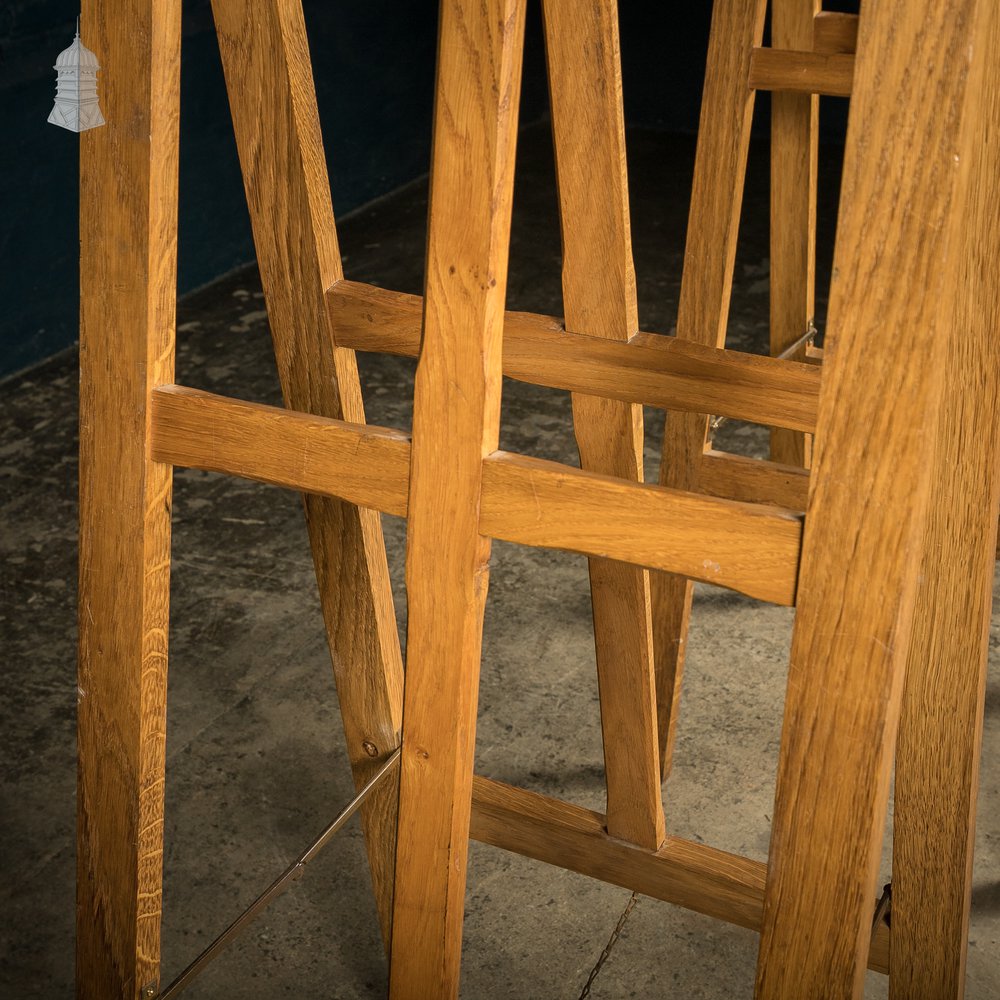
(703, 312)
(265, 55)
(898, 274)
(794, 148)
(599, 299)
(940, 734)
(456, 419)
(128, 277)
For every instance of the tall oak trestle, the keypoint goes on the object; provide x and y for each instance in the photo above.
(888, 563)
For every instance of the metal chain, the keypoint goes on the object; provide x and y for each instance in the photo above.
(615, 934)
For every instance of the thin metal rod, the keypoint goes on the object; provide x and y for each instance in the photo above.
(291, 874)
(804, 341)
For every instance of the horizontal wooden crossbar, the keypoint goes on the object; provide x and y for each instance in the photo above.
(752, 549)
(835, 32)
(752, 480)
(652, 369)
(363, 464)
(695, 876)
(831, 74)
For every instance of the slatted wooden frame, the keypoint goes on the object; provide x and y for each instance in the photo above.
(453, 484)
(813, 54)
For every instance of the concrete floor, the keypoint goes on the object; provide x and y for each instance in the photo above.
(256, 763)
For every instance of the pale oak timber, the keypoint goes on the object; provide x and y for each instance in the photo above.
(128, 277)
(941, 724)
(456, 424)
(794, 157)
(695, 876)
(835, 32)
(527, 500)
(363, 465)
(803, 72)
(265, 56)
(598, 281)
(752, 549)
(703, 310)
(909, 155)
(752, 480)
(649, 368)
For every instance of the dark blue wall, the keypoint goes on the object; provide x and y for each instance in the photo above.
(374, 68)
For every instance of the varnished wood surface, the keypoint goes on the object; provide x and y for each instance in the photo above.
(364, 465)
(794, 150)
(747, 547)
(265, 56)
(670, 372)
(456, 422)
(803, 72)
(703, 311)
(128, 277)
(688, 874)
(907, 165)
(691, 875)
(940, 734)
(599, 296)
(835, 32)
(751, 480)
(753, 549)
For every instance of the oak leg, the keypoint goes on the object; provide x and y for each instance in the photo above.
(599, 299)
(910, 143)
(456, 418)
(128, 277)
(794, 148)
(703, 312)
(940, 734)
(265, 56)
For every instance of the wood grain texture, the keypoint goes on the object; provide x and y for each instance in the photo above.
(269, 78)
(456, 421)
(598, 281)
(695, 876)
(128, 278)
(364, 465)
(940, 734)
(802, 72)
(703, 310)
(648, 368)
(897, 267)
(687, 874)
(751, 480)
(752, 549)
(794, 150)
(527, 500)
(835, 32)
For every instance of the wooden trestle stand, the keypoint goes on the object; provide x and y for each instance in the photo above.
(889, 567)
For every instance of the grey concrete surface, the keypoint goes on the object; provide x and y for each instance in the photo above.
(256, 761)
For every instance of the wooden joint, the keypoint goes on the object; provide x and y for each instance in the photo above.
(698, 877)
(829, 74)
(834, 32)
(750, 548)
(654, 370)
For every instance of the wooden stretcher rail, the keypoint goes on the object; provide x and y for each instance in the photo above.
(695, 876)
(530, 501)
(831, 74)
(739, 546)
(835, 32)
(752, 480)
(365, 465)
(651, 369)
